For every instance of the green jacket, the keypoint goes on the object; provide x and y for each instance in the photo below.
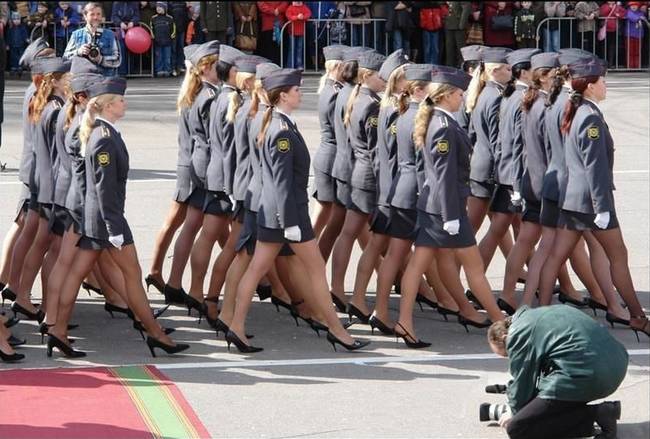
(458, 16)
(558, 352)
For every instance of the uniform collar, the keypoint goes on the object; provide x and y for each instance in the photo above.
(277, 110)
(495, 85)
(594, 104)
(225, 86)
(366, 91)
(414, 104)
(108, 123)
(209, 84)
(445, 111)
(521, 85)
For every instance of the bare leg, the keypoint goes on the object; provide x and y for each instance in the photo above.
(48, 265)
(397, 252)
(440, 290)
(66, 257)
(332, 230)
(473, 266)
(582, 267)
(200, 260)
(21, 248)
(499, 225)
(369, 259)
(111, 275)
(183, 245)
(323, 217)
(418, 264)
(447, 260)
(222, 263)
(174, 220)
(529, 234)
(32, 264)
(601, 269)
(477, 209)
(8, 248)
(565, 242)
(355, 222)
(536, 263)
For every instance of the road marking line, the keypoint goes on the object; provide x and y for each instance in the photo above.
(350, 360)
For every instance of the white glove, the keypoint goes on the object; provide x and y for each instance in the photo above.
(232, 199)
(452, 227)
(117, 241)
(293, 233)
(602, 220)
(515, 198)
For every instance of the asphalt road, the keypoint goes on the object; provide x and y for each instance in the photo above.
(298, 387)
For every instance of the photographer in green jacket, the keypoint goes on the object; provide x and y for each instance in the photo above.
(560, 360)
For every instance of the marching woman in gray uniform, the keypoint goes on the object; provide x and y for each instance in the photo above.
(197, 94)
(44, 109)
(383, 157)
(484, 102)
(443, 230)
(284, 211)
(330, 85)
(471, 62)
(20, 237)
(588, 198)
(178, 210)
(357, 186)
(105, 227)
(220, 173)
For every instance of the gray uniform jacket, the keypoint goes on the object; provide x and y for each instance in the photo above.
(184, 161)
(463, 119)
(485, 122)
(254, 192)
(285, 174)
(199, 122)
(28, 132)
(590, 161)
(63, 164)
(404, 191)
(324, 158)
(107, 170)
(386, 158)
(556, 173)
(221, 170)
(74, 200)
(511, 139)
(447, 167)
(45, 152)
(363, 139)
(242, 149)
(342, 167)
(535, 159)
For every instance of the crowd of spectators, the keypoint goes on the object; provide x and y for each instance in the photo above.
(429, 31)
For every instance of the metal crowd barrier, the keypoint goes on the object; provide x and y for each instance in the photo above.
(614, 49)
(321, 32)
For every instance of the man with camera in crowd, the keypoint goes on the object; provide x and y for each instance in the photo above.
(94, 42)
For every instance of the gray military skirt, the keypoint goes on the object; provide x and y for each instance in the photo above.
(217, 203)
(402, 223)
(342, 193)
(584, 222)
(265, 234)
(502, 201)
(248, 236)
(60, 220)
(481, 189)
(532, 211)
(362, 201)
(197, 198)
(324, 187)
(550, 215)
(238, 212)
(183, 184)
(430, 233)
(90, 243)
(380, 220)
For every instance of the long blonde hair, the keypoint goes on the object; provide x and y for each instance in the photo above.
(273, 98)
(236, 98)
(258, 94)
(330, 66)
(390, 98)
(362, 76)
(483, 73)
(44, 90)
(94, 108)
(192, 83)
(437, 91)
(409, 91)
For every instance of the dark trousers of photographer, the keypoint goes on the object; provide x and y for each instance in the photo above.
(550, 418)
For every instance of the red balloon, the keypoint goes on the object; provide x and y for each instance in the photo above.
(137, 40)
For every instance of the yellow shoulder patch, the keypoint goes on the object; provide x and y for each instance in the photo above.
(442, 147)
(283, 145)
(104, 159)
(593, 133)
(374, 121)
(393, 129)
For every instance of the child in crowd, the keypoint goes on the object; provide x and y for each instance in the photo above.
(67, 20)
(192, 35)
(298, 13)
(633, 31)
(17, 40)
(40, 20)
(525, 26)
(164, 31)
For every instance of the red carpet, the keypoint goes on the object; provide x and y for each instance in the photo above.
(123, 402)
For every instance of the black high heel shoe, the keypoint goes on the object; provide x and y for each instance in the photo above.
(231, 338)
(15, 341)
(645, 329)
(212, 322)
(110, 308)
(505, 306)
(355, 346)
(375, 323)
(594, 305)
(565, 298)
(192, 303)
(420, 299)
(44, 329)
(174, 296)
(138, 327)
(467, 322)
(472, 298)
(39, 315)
(169, 349)
(446, 312)
(8, 295)
(413, 343)
(10, 358)
(90, 287)
(317, 327)
(220, 326)
(356, 312)
(611, 319)
(264, 292)
(13, 321)
(338, 303)
(150, 280)
(280, 303)
(296, 315)
(67, 351)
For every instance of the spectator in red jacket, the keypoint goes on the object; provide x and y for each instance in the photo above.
(498, 31)
(272, 19)
(610, 14)
(298, 13)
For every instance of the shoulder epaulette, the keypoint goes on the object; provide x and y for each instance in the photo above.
(105, 132)
(443, 121)
(211, 92)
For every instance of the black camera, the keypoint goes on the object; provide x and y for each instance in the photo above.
(491, 412)
(496, 388)
(93, 51)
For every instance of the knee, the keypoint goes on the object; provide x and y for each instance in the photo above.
(516, 429)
